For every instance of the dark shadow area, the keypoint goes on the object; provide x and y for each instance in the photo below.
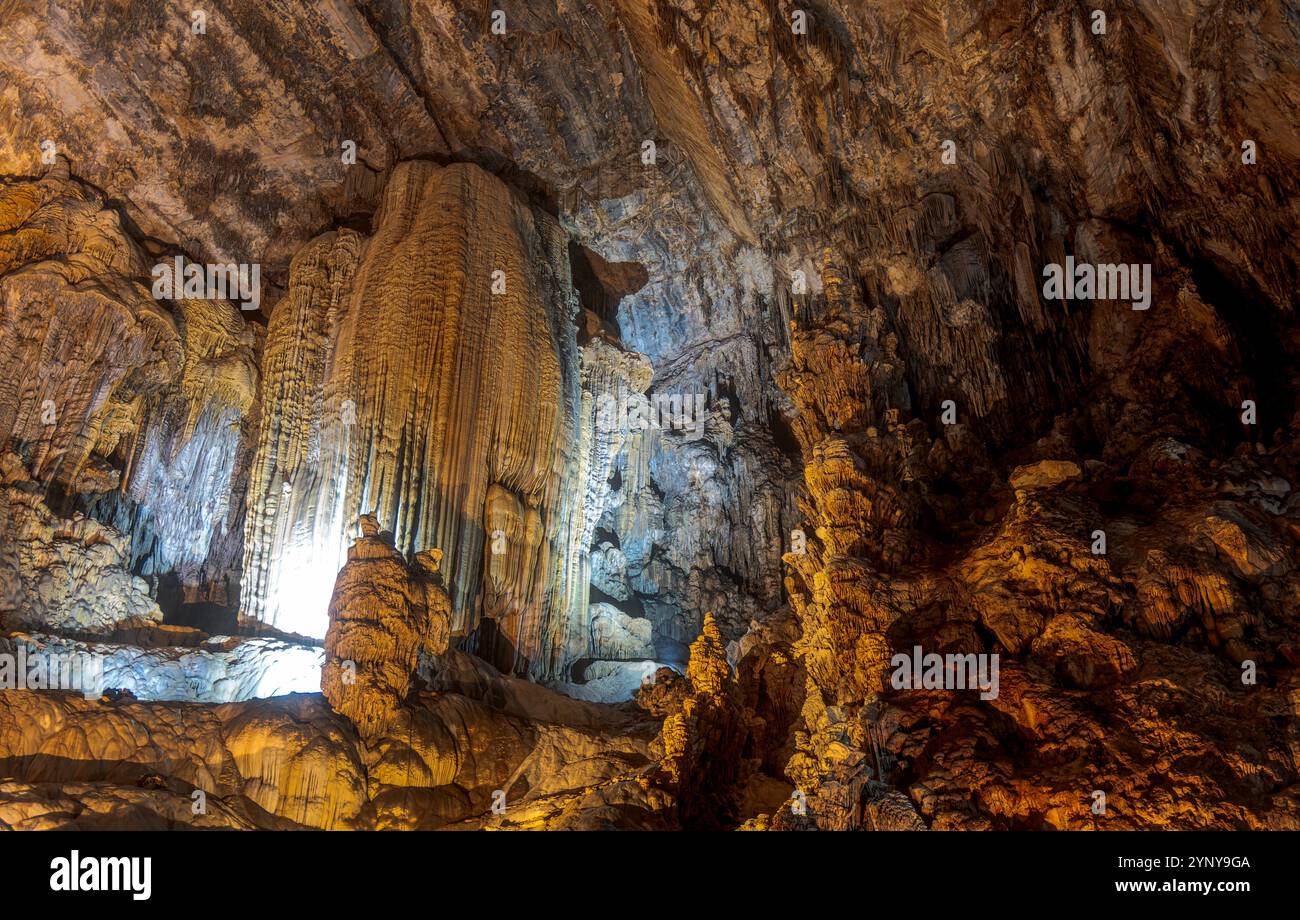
(601, 284)
(213, 619)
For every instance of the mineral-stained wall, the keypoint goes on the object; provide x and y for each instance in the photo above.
(926, 366)
(239, 160)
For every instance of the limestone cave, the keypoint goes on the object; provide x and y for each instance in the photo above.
(803, 415)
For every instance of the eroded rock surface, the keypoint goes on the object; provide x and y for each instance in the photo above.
(292, 762)
(836, 239)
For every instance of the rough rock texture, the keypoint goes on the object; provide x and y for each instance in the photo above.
(383, 615)
(605, 681)
(239, 159)
(63, 573)
(838, 243)
(1110, 656)
(291, 762)
(615, 635)
(703, 739)
(135, 404)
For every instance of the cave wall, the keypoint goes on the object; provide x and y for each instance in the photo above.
(126, 412)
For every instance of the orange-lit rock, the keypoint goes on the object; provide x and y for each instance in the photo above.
(383, 615)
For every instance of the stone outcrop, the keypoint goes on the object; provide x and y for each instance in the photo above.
(63, 573)
(615, 635)
(191, 667)
(384, 614)
(703, 739)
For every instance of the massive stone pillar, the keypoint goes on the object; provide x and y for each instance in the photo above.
(430, 375)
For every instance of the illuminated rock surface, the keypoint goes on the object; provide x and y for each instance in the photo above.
(291, 761)
(838, 245)
(63, 573)
(430, 375)
(216, 669)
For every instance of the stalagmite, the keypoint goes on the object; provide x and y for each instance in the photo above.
(384, 614)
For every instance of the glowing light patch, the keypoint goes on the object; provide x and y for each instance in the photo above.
(300, 590)
(295, 671)
(215, 672)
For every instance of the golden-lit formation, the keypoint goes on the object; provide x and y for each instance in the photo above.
(649, 415)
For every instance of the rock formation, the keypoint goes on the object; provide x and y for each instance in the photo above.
(703, 739)
(729, 446)
(65, 573)
(430, 375)
(383, 615)
(136, 404)
(292, 762)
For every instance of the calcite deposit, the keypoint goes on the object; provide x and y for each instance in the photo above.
(651, 415)
(384, 614)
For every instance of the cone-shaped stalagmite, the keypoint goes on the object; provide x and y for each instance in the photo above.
(383, 614)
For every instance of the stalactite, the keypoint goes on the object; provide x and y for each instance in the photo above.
(431, 375)
(136, 406)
